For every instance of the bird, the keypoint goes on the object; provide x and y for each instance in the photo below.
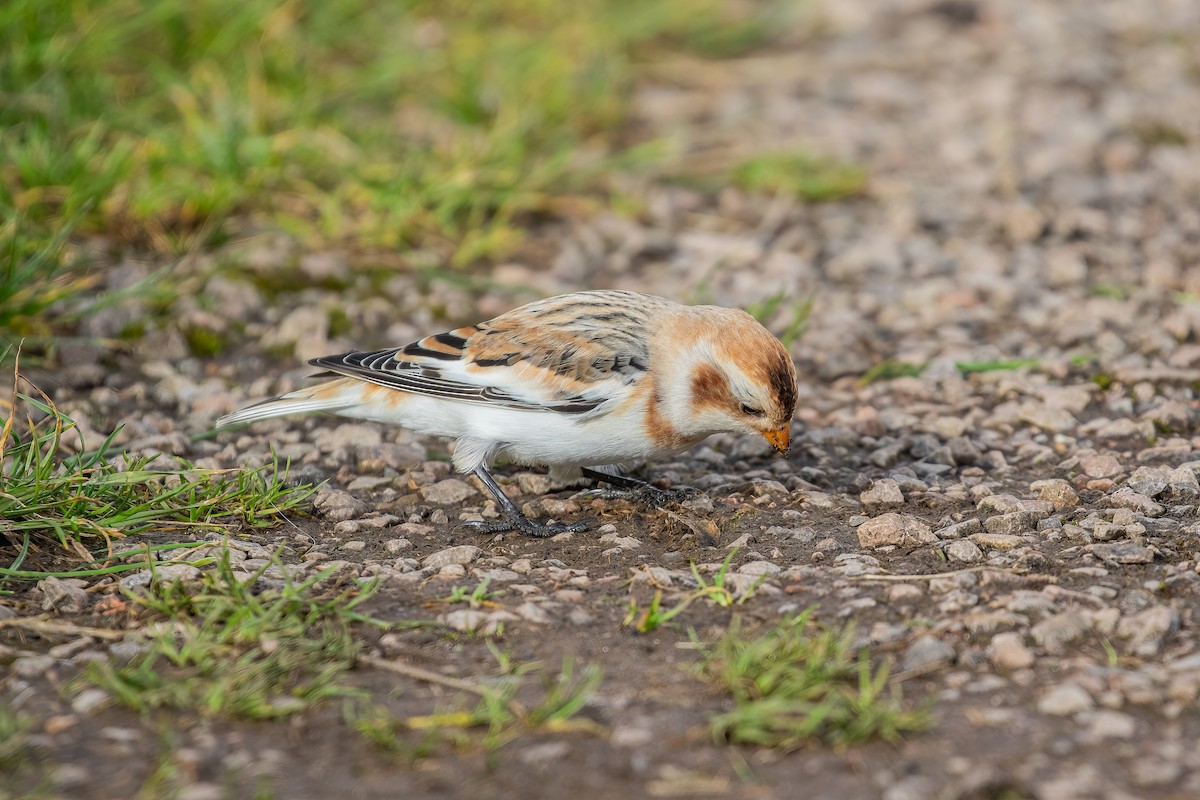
(582, 383)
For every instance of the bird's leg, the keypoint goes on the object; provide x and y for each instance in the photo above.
(633, 489)
(514, 519)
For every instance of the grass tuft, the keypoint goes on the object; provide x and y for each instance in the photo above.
(802, 176)
(890, 368)
(790, 687)
(1002, 365)
(794, 315)
(55, 501)
(240, 645)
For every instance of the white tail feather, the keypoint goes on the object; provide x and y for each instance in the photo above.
(300, 402)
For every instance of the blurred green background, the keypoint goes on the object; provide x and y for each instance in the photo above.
(165, 127)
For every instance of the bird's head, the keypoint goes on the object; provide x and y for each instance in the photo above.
(734, 376)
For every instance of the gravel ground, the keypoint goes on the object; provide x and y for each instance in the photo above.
(1025, 542)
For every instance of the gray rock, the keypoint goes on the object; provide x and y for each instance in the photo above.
(1055, 633)
(1011, 524)
(1148, 630)
(168, 573)
(883, 493)
(967, 527)
(336, 505)
(66, 597)
(465, 619)
(448, 492)
(459, 554)
(1008, 504)
(927, 652)
(1150, 481)
(1127, 498)
(33, 666)
(1109, 724)
(1122, 552)
(963, 550)
(1007, 651)
(1058, 492)
(1100, 466)
(89, 700)
(1065, 699)
(894, 529)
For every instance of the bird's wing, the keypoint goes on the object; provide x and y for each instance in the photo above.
(571, 354)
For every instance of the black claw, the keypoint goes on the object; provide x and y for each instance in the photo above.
(640, 491)
(528, 527)
(648, 495)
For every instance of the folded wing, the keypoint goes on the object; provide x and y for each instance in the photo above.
(573, 354)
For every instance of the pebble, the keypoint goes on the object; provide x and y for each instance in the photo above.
(167, 573)
(459, 554)
(1008, 652)
(1056, 633)
(883, 493)
(336, 505)
(1065, 699)
(894, 529)
(926, 652)
(1148, 630)
(1100, 466)
(63, 596)
(1057, 492)
(963, 550)
(448, 492)
(959, 529)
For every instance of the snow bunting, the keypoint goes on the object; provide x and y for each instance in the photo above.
(580, 383)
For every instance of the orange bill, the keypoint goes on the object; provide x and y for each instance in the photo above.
(780, 439)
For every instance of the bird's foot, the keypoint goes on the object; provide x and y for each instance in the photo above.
(529, 527)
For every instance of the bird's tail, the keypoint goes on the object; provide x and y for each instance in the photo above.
(332, 396)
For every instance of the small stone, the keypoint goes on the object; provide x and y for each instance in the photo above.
(1100, 466)
(1147, 630)
(394, 546)
(1008, 652)
(963, 550)
(63, 596)
(1007, 504)
(1123, 552)
(459, 554)
(168, 573)
(883, 493)
(532, 612)
(759, 568)
(1109, 724)
(623, 542)
(447, 492)
(1011, 524)
(1058, 492)
(959, 529)
(201, 791)
(88, 700)
(32, 666)
(337, 506)
(546, 753)
(997, 541)
(894, 529)
(1150, 481)
(1065, 699)
(927, 652)
(465, 619)
(1055, 633)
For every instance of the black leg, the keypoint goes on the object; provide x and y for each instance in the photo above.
(515, 520)
(633, 489)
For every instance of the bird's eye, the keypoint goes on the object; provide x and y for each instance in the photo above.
(751, 410)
